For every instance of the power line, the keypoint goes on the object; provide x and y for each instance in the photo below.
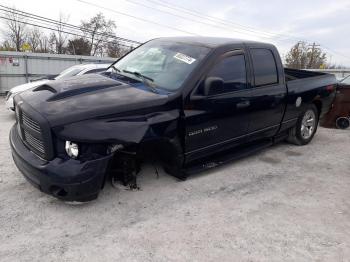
(335, 52)
(55, 22)
(49, 21)
(137, 18)
(271, 35)
(148, 21)
(227, 22)
(67, 25)
(48, 26)
(54, 29)
(225, 27)
(212, 18)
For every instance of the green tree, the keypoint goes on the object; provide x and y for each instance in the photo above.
(305, 56)
(78, 46)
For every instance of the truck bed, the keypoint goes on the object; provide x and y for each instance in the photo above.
(304, 80)
(303, 83)
(294, 74)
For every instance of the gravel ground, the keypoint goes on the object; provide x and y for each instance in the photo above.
(286, 203)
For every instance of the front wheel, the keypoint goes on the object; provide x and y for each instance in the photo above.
(305, 128)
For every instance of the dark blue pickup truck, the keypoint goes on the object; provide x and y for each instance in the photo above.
(190, 103)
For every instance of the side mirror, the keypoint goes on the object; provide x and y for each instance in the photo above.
(213, 85)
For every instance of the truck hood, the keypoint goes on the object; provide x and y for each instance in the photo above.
(24, 87)
(85, 97)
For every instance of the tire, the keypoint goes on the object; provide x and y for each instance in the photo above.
(342, 122)
(305, 128)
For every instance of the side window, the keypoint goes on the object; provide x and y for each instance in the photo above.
(232, 70)
(264, 64)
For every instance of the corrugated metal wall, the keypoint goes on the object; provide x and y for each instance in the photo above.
(18, 68)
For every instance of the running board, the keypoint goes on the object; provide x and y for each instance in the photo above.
(226, 157)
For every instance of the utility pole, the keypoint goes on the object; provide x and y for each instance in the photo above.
(313, 48)
(298, 60)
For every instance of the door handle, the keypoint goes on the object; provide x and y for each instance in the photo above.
(243, 104)
(280, 96)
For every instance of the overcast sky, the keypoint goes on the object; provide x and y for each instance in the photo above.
(325, 22)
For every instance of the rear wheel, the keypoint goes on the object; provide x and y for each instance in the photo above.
(305, 128)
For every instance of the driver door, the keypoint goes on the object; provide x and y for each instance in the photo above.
(218, 121)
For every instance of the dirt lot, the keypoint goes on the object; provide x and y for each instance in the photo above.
(286, 203)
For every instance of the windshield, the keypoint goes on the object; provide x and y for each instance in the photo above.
(166, 64)
(346, 80)
(71, 71)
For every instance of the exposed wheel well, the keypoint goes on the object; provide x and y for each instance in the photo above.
(318, 105)
(127, 162)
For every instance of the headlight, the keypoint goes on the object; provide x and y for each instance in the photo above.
(72, 149)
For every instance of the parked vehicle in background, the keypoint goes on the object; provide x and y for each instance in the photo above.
(75, 70)
(339, 115)
(191, 103)
(345, 81)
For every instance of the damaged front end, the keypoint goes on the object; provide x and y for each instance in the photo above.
(71, 136)
(128, 141)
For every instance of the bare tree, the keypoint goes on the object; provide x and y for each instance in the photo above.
(44, 46)
(114, 49)
(6, 46)
(59, 38)
(52, 42)
(15, 32)
(34, 38)
(98, 30)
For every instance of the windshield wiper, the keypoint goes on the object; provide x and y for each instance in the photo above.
(145, 79)
(115, 68)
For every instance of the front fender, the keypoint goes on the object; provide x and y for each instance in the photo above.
(125, 130)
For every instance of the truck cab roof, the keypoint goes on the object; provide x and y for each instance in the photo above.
(210, 42)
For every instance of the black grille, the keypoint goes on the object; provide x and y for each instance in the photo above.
(30, 122)
(32, 133)
(35, 143)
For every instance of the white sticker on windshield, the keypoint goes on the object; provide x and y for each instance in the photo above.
(184, 58)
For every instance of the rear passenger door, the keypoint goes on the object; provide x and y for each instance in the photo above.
(268, 93)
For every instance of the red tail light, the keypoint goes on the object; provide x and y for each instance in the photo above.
(330, 88)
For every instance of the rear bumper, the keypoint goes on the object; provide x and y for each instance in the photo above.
(69, 180)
